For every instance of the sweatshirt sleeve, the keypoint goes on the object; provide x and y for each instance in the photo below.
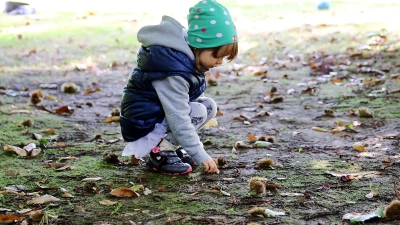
(173, 94)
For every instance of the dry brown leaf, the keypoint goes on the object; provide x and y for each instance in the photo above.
(251, 137)
(57, 165)
(264, 113)
(337, 130)
(9, 219)
(91, 91)
(65, 109)
(37, 215)
(58, 145)
(111, 119)
(43, 199)
(18, 150)
(35, 152)
(67, 195)
(124, 192)
(386, 160)
(359, 147)
(49, 131)
(242, 144)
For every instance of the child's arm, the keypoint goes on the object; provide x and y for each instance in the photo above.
(173, 94)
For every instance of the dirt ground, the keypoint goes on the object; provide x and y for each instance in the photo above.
(302, 155)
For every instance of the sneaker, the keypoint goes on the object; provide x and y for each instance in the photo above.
(185, 157)
(164, 159)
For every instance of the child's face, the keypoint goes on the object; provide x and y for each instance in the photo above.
(208, 60)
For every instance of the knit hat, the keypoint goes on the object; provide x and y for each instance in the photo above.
(210, 25)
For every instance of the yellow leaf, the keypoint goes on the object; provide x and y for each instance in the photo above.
(107, 202)
(111, 119)
(358, 147)
(212, 123)
(386, 160)
(319, 129)
(341, 123)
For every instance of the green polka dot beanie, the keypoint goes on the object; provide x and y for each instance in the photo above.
(210, 25)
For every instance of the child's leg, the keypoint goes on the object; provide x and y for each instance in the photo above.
(211, 107)
(202, 111)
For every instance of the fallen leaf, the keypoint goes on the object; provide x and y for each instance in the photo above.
(264, 113)
(361, 217)
(43, 199)
(359, 147)
(111, 119)
(9, 219)
(92, 179)
(91, 91)
(107, 202)
(18, 150)
(124, 192)
(251, 137)
(242, 144)
(147, 191)
(58, 145)
(211, 123)
(49, 131)
(319, 129)
(35, 152)
(30, 146)
(262, 144)
(67, 195)
(372, 194)
(291, 194)
(341, 123)
(65, 109)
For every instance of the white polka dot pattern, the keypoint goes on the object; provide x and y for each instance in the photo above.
(210, 25)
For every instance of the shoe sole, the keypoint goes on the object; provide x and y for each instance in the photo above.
(171, 174)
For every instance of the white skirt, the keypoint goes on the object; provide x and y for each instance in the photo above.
(143, 145)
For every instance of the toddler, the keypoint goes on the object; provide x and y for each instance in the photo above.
(163, 105)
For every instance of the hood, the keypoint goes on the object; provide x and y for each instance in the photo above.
(169, 33)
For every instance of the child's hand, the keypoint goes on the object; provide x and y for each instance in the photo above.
(210, 166)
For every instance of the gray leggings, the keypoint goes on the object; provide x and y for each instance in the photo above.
(202, 111)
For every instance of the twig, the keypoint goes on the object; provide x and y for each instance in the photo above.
(396, 193)
(203, 220)
(44, 109)
(388, 165)
(179, 219)
(1, 112)
(320, 214)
